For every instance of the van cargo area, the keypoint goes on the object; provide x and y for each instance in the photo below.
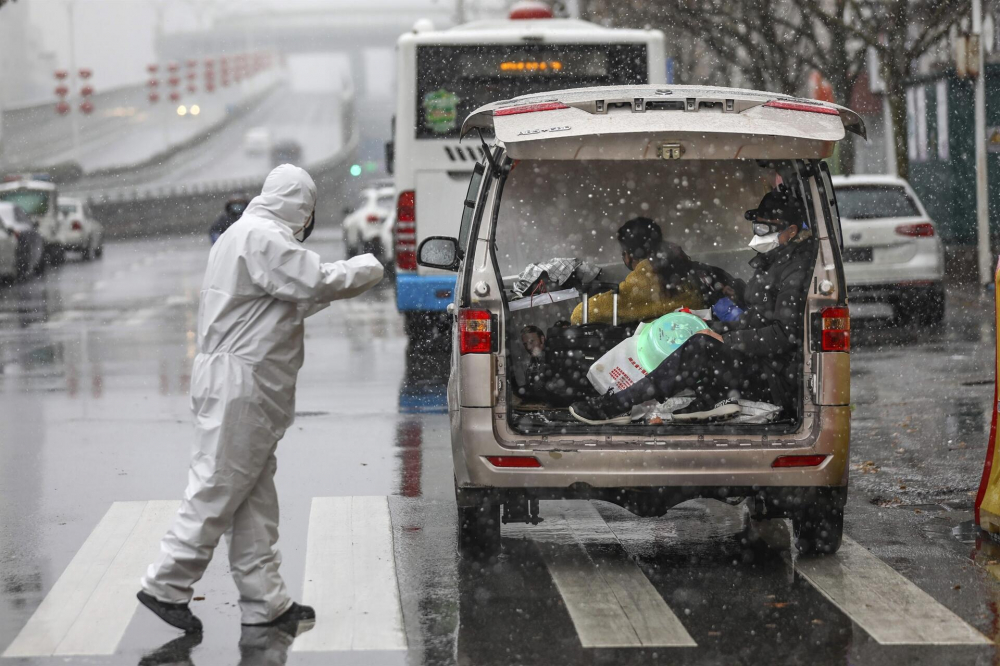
(557, 242)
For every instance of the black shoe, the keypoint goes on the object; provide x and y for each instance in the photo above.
(601, 410)
(296, 613)
(176, 615)
(703, 411)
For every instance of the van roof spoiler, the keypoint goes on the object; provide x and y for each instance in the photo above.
(659, 98)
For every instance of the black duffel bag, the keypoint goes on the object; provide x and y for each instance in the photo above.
(570, 351)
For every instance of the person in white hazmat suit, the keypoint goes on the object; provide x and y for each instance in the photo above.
(260, 285)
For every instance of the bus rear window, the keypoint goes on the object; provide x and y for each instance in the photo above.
(34, 202)
(453, 81)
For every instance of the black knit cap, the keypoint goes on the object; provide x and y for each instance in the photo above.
(779, 204)
(640, 237)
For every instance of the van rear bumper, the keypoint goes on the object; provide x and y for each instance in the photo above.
(707, 466)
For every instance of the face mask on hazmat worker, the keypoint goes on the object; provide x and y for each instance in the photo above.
(260, 285)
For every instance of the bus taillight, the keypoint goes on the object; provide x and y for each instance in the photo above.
(406, 231)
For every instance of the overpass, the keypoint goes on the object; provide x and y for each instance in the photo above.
(345, 31)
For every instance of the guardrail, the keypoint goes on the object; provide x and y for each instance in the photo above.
(174, 210)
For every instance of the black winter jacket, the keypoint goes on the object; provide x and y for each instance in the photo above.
(768, 335)
(773, 302)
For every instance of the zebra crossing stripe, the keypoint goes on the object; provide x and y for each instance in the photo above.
(609, 599)
(889, 607)
(92, 602)
(350, 577)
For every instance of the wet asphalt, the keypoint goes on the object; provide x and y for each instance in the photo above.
(94, 370)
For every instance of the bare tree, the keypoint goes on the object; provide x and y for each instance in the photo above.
(901, 32)
(774, 44)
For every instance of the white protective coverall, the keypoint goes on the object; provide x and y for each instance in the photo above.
(260, 285)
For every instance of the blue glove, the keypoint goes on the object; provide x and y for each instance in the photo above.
(725, 310)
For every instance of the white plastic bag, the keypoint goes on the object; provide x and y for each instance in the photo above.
(618, 368)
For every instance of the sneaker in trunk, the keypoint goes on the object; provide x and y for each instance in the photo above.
(601, 410)
(703, 411)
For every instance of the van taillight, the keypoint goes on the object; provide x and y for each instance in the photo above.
(920, 230)
(836, 329)
(406, 231)
(475, 334)
(76, 226)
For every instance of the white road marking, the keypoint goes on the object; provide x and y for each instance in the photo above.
(350, 577)
(92, 603)
(609, 599)
(881, 601)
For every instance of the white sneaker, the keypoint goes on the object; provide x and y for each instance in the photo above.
(723, 410)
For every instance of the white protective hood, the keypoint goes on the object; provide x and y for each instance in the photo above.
(288, 197)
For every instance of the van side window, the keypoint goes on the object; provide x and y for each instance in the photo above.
(470, 206)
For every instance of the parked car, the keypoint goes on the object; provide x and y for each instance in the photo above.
(38, 199)
(367, 225)
(29, 248)
(83, 233)
(257, 141)
(286, 151)
(9, 244)
(893, 256)
(566, 169)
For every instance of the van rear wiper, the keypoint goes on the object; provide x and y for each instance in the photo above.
(494, 167)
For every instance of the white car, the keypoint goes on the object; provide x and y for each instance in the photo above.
(37, 197)
(368, 223)
(8, 250)
(81, 232)
(893, 256)
(257, 141)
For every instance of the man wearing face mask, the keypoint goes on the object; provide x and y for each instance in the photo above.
(259, 287)
(755, 357)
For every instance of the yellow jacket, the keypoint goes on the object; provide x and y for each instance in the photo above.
(641, 297)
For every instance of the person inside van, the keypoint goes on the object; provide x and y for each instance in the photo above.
(756, 357)
(536, 373)
(652, 288)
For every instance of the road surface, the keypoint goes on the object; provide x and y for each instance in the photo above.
(94, 441)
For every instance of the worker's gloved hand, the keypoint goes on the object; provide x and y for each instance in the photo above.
(368, 262)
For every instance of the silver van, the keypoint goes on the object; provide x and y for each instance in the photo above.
(563, 171)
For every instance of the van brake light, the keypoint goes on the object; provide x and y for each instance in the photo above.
(475, 334)
(406, 231)
(798, 461)
(529, 108)
(801, 106)
(514, 461)
(836, 329)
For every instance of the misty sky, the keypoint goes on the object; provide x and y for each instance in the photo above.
(115, 37)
